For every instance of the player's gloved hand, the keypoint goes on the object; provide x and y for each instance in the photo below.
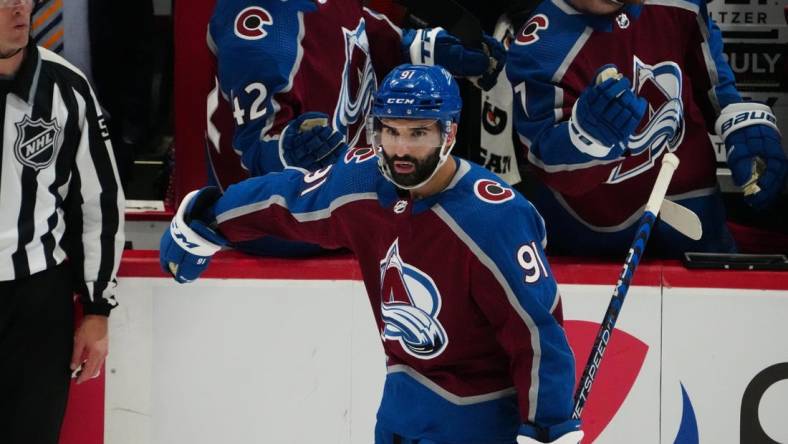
(497, 54)
(755, 156)
(309, 143)
(187, 245)
(435, 46)
(567, 432)
(605, 115)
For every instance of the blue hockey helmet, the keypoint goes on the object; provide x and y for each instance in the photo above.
(416, 92)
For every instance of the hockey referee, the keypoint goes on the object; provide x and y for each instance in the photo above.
(61, 231)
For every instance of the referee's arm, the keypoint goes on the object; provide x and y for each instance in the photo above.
(97, 208)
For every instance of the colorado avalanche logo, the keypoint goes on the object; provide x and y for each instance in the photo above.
(250, 23)
(660, 85)
(37, 142)
(530, 31)
(358, 85)
(409, 306)
(359, 154)
(492, 192)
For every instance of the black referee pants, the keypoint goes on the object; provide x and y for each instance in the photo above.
(36, 340)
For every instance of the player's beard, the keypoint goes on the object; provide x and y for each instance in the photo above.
(421, 171)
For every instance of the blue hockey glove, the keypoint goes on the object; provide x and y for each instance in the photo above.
(497, 53)
(309, 143)
(435, 46)
(755, 156)
(187, 245)
(567, 432)
(604, 116)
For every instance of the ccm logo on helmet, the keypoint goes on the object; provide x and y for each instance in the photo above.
(249, 23)
(529, 32)
(492, 192)
(401, 101)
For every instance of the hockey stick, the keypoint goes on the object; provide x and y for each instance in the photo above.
(669, 164)
(681, 218)
(684, 220)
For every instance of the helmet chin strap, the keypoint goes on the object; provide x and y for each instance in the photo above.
(441, 160)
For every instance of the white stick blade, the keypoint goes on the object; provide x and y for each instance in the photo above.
(684, 220)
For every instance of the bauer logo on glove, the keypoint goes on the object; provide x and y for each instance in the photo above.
(746, 118)
(755, 155)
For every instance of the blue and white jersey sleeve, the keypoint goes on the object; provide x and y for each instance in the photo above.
(514, 287)
(256, 48)
(293, 205)
(528, 319)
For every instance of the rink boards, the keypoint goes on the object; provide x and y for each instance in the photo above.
(274, 351)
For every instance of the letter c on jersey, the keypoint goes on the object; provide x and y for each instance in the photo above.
(359, 154)
(492, 192)
(529, 33)
(249, 23)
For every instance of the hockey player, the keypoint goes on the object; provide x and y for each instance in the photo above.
(595, 139)
(470, 318)
(296, 80)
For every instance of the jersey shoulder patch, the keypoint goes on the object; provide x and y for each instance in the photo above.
(251, 23)
(359, 154)
(237, 21)
(485, 185)
(529, 33)
(492, 191)
(492, 214)
(544, 41)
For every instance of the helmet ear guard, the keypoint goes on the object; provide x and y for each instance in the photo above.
(416, 92)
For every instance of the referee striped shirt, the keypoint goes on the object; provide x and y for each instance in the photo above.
(60, 196)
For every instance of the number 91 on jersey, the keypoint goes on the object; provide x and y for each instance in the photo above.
(528, 257)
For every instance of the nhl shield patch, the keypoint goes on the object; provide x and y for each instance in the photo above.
(36, 142)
